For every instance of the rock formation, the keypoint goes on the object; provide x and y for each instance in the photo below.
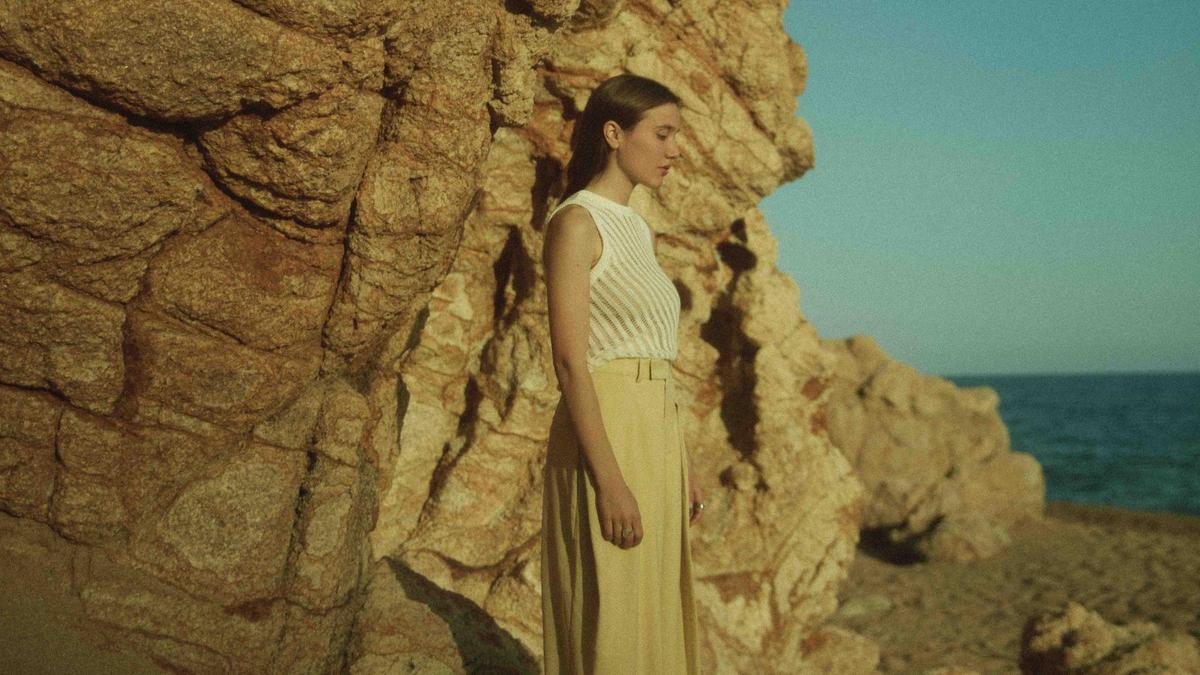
(941, 479)
(276, 378)
(214, 217)
(1074, 640)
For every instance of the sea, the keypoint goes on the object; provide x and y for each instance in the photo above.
(1127, 439)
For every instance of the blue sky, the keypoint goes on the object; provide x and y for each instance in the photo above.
(1000, 187)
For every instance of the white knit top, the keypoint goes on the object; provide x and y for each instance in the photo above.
(634, 307)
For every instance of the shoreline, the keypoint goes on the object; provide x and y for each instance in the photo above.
(1126, 564)
(1122, 516)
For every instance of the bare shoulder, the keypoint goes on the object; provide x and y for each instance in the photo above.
(573, 223)
(572, 218)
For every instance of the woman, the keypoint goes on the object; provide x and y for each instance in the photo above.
(620, 493)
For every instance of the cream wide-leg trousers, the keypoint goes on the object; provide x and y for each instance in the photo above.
(608, 610)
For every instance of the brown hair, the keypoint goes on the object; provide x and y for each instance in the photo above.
(623, 99)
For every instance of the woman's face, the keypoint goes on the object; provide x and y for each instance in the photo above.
(650, 147)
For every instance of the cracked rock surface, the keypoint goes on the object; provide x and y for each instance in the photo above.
(276, 377)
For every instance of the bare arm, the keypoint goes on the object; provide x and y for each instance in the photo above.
(571, 239)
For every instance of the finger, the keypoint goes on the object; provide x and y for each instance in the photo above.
(606, 527)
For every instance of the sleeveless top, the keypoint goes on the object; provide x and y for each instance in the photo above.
(634, 308)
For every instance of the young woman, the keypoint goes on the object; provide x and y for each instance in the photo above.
(620, 491)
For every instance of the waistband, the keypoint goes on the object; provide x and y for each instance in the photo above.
(638, 367)
(641, 368)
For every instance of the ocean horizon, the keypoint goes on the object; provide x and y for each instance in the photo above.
(1069, 373)
(1129, 439)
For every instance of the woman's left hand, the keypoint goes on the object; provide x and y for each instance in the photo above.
(696, 496)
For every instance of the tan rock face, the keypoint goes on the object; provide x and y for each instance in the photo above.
(277, 374)
(330, 17)
(934, 458)
(303, 162)
(176, 60)
(782, 521)
(27, 479)
(213, 216)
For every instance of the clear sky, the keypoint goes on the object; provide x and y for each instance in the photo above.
(1000, 187)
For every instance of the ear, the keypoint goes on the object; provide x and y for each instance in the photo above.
(613, 134)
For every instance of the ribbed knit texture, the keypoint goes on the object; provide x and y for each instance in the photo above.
(634, 307)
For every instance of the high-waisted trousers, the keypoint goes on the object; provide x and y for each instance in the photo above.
(608, 610)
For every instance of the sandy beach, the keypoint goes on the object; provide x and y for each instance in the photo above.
(42, 633)
(1127, 565)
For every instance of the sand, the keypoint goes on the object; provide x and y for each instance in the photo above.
(41, 633)
(1128, 565)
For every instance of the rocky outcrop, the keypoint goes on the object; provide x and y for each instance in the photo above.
(212, 216)
(783, 513)
(177, 60)
(1074, 640)
(941, 479)
(277, 378)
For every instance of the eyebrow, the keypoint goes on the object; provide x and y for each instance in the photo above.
(666, 126)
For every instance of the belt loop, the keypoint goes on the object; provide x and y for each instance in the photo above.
(637, 377)
(669, 389)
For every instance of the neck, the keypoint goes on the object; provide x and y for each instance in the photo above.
(616, 187)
